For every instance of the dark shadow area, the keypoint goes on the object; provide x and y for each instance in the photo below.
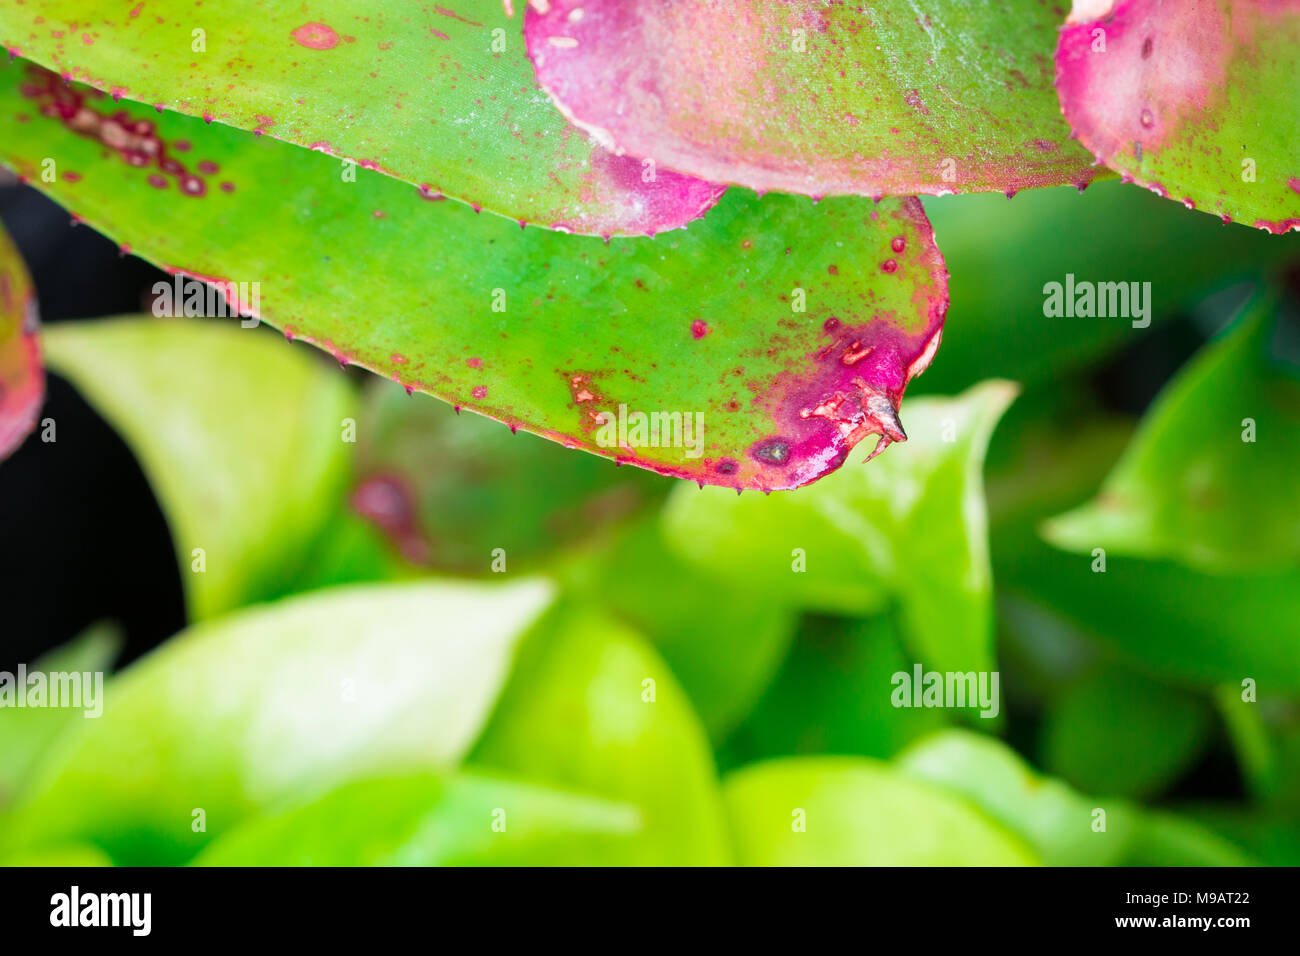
(82, 538)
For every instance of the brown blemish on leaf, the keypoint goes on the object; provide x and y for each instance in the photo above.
(136, 141)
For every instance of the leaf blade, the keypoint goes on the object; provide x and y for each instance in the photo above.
(700, 322)
(1171, 96)
(858, 812)
(443, 100)
(275, 703)
(1208, 478)
(163, 385)
(814, 98)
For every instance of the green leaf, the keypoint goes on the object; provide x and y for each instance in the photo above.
(22, 381)
(833, 695)
(246, 475)
(1271, 839)
(1001, 255)
(1209, 479)
(910, 527)
(431, 820)
(1164, 839)
(275, 703)
(1064, 827)
(1188, 627)
(68, 855)
(443, 487)
(1119, 734)
(843, 811)
(445, 100)
(591, 707)
(1265, 731)
(27, 733)
(351, 550)
(543, 331)
(1187, 99)
(723, 640)
(1055, 820)
(1052, 449)
(816, 98)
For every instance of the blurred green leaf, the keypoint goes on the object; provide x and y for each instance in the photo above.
(1163, 839)
(1187, 627)
(1265, 732)
(1273, 839)
(1040, 655)
(1120, 734)
(590, 707)
(431, 820)
(351, 550)
(1172, 621)
(833, 695)
(240, 436)
(1001, 253)
(27, 733)
(912, 525)
(445, 487)
(723, 640)
(68, 855)
(241, 713)
(1051, 450)
(1210, 478)
(1055, 820)
(846, 811)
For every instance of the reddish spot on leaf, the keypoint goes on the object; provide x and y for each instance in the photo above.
(455, 16)
(136, 141)
(316, 36)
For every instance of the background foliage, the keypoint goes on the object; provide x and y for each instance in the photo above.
(397, 693)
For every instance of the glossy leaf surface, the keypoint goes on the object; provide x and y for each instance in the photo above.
(439, 95)
(782, 334)
(816, 98)
(1196, 100)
